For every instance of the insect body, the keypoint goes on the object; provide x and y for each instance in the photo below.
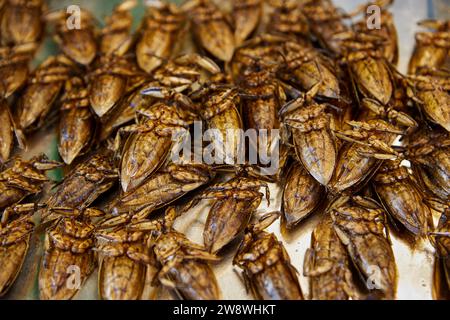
(160, 31)
(327, 265)
(24, 178)
(77, 123)
(78, 42)
(432, 48)
(360, 224)
(21, 21)
(85, 183)
(15, 232)
(42, 91)
(302, 195)
(402, 198)
(246, 17)
(368, 144)
(266, 264)
(210, 28)
(184, 265)
(68, 258)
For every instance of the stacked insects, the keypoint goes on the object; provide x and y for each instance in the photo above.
(321, 77)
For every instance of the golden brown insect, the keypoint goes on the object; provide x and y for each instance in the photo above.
(147, 148)
(386, 30)
(111, 71)
(21, 21)
(126, 263)
(218, 105)
(246, 16)
(42, 91)
(288, 19)
(402, 198)
(432, 48)
(85, 183)
(262, 97)
(14, 67)
(368, 144)
(160, 34)
(15, 232)
(266, 264)
(184, 265)
(431, 94)
(211, 29)
(327, 265)
(125, 111)
(117, 28)
(108, 81)
(370, 71)
(360, 224)
(312, 135)
(440, 239)
(77, 122)
(302, 195)
(6, 131)
(75, 34)
(167, 185)
(301, 65)
(326, 23)
(235, 203)
(429, 153)
(23, 179)
(68, 252)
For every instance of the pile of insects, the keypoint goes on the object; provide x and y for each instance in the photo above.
(362, 145)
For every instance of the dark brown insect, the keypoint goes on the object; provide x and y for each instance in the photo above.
(75, 34)
(302, 195)
(432, 48)
(327, 265)
(21, 21)
(68, 251)
(360, 224)
(184, 265)
(235, 203)
(14, 67)
(312, 135)
(266, 264)
(368, 144)
(23, 179)
(84, 184)
(210, 28)
(246, 16)
(15, 232)
(42, 91)
(160, 35)
(77, 122)
(429, 153)
(401, 197)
